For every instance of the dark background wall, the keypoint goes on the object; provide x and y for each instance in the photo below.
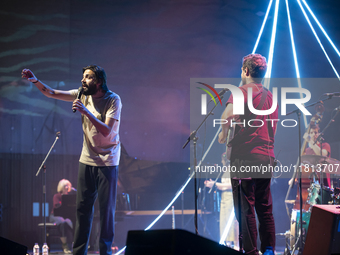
(150, 50)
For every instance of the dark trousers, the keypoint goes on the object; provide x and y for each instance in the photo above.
(255, 196)
(95, 182)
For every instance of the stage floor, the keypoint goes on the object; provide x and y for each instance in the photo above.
(279, 251)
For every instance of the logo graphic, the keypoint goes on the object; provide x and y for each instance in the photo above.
(204, 97)
(240, 101)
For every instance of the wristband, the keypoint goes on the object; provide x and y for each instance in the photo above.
(35, 81)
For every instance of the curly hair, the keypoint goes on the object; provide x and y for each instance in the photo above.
(256, 65)
(100, 75)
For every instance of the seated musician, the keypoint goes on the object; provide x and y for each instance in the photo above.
(315, 148)
(65, 226)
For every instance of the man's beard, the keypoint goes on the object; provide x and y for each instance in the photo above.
(90, 90)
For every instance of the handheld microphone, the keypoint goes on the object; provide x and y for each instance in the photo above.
(73, 189)
(80, 92)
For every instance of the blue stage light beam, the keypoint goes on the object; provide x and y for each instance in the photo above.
(262, 27)
(295, 56)
(271, 49)
(119, 252)
(322, 29)
(172, 201)
(228, 226)
(293, 42)
(317, 38)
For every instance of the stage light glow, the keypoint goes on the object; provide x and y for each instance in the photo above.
(227, 228)
(292, 41)
(317, 38)
(322, 29)
(294, 55)
(172, 201)
(262, 27)
(271, 48)
(119, 252)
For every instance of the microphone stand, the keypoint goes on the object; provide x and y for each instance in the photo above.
(320, 140)
(194, 138)
(327, 126)
(298, 113)
(44, 185)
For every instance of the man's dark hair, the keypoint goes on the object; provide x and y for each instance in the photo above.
(256, 64)
(100, 75)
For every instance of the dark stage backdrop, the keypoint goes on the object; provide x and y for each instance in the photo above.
(150, 50)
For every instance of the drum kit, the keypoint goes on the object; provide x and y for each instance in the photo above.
(313, 192)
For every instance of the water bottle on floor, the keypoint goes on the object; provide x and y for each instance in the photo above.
(36, 249)
(269, 251)
(45, 249)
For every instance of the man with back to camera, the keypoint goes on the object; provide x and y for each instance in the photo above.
(100, 110)
(253, 146)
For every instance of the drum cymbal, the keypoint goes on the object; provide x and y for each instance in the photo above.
(333, 165)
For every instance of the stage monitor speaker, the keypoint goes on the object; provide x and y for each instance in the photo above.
(9, 247)
(324, 231)
(172, 242)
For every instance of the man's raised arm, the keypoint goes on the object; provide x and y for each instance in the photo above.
(46, 90)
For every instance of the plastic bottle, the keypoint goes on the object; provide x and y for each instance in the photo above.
(45, 249)
(269, 251)
(36, 249)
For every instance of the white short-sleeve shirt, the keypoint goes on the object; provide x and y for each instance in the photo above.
(97, 149)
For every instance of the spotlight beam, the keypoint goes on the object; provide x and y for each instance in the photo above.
(292, 41)
(295, 57)
(172, 201)
(119, 252)
(227, 227)
(317, 38)
(322, 29)
(272, 44)
(262, 27)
